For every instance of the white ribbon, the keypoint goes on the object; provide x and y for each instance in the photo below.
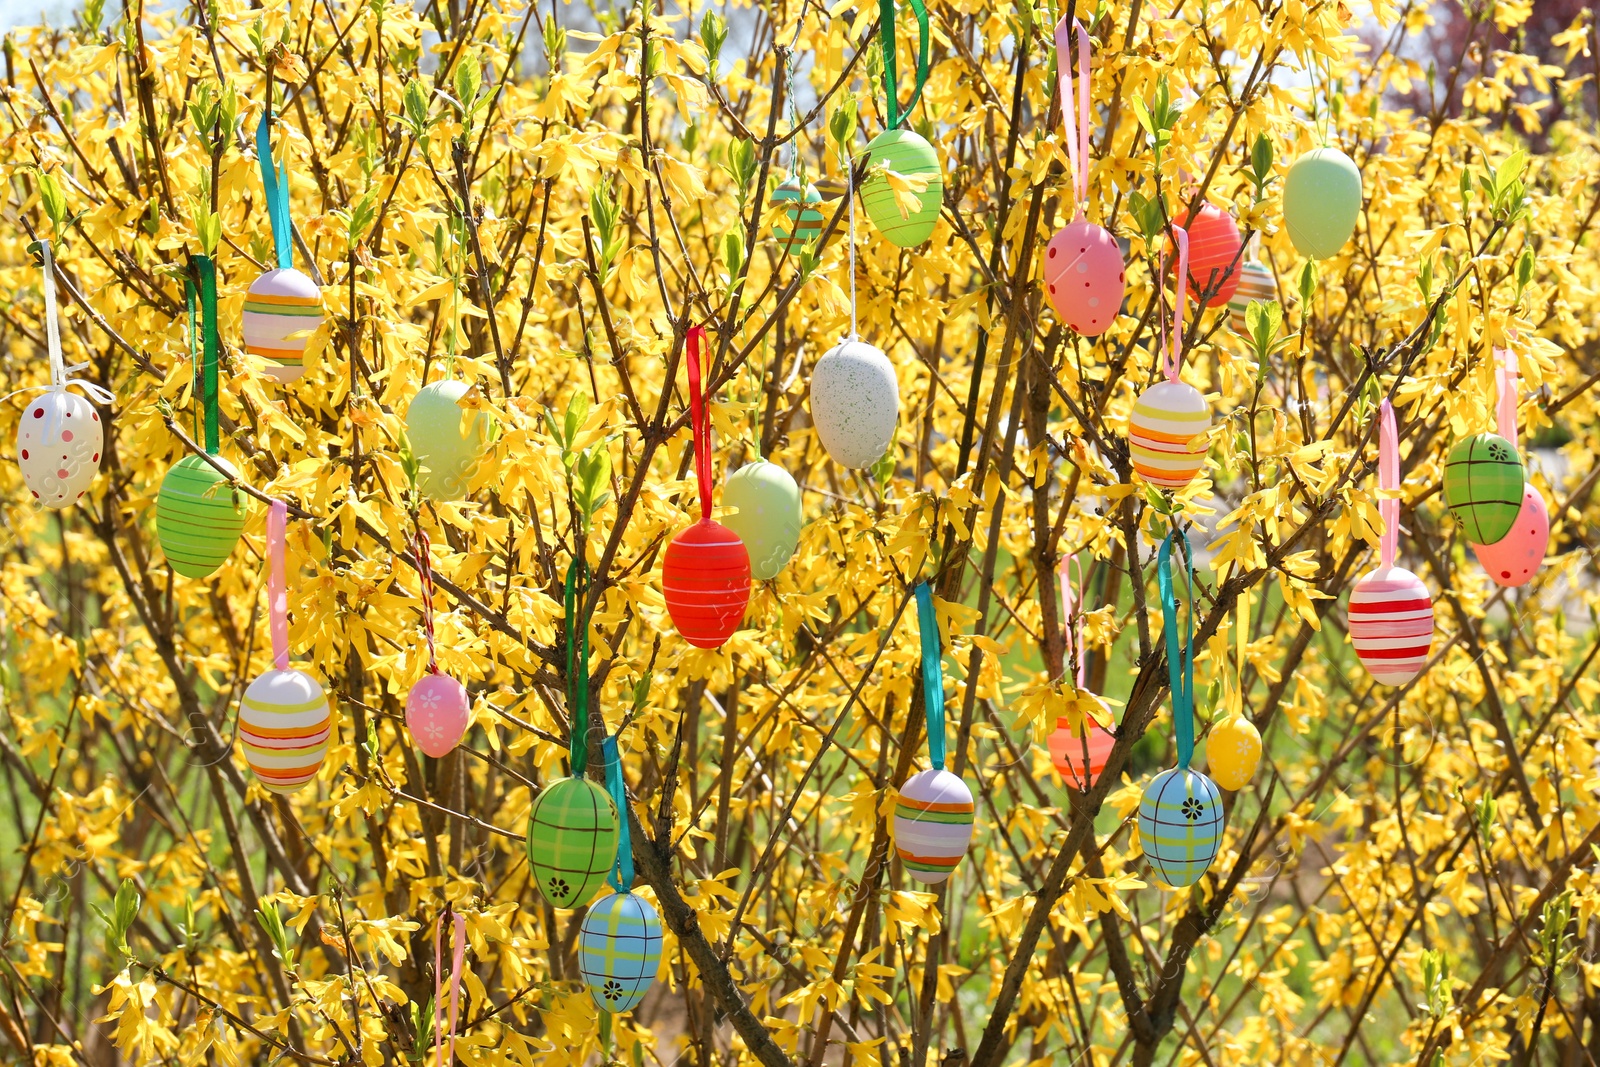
(59, 369)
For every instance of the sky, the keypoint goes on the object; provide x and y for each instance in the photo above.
(27, 12)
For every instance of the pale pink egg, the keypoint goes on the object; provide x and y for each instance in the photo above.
(437, 710)
(1516, 558)
(1083, 276)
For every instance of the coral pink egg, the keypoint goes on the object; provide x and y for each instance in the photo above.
(1214, 259)
(1083, 276)
(1516, 558)
(1068, 750)
(437, 711)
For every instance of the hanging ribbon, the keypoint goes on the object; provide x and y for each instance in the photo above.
(1241, 623)
(577, 672)
(1180, 662)
(458, 955)
(891, 76)
(932, 674)
(621, 876)
(275, 183)
(1505, 376)
(1174, 356)
(1388, 479)
(425, 572)
(59, 370)
(850, 198)
(207, 392)
(699, 423)
(1069, 601)
(277, 587)
(1077, 130)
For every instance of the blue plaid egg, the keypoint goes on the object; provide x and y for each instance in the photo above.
(619, 950)
(1180, 825)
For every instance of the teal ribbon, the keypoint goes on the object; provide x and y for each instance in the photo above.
(1180, 667)
(932, 674)
(621, 876)
(577, 672)
(275, 182)
(208, 326)
(891, 75)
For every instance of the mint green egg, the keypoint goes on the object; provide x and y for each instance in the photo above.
(444, 439)
(1321, 202)
(199, 516)
(768, 519)
(905, 153)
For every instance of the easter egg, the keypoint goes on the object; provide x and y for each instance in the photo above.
(1255, 283)
(59, 438)
(1233, 750)
(933, 824)
(768, 518)
(1080, 756)
(1321, 202)
(1083, 277)
(446, 441)
(705, 579)
(281, 310)
(284, 725)
(1483, 484)
(1391, 624)
(572, 841)
(855, 403)
(619, 950)
(1516, 558)
(802, 219)
(437, 710)
(199, 516)
(908, 154)
(1214, 244)
(1167, 434)
(1180, 825)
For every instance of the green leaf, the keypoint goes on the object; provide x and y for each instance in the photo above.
(713, 34)
(842, 123)
(53, 199)
(1263, 319)
(1308, 285)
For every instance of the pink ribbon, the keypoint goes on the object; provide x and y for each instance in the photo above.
(1069, 601)
(1077, 132)
(458, 953)
(1174, 356)
(1505, 376)
(1388, 478)
(277, 588)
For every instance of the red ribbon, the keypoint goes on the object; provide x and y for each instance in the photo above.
(697, 419)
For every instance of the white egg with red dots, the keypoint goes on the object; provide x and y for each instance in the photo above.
(59, 439)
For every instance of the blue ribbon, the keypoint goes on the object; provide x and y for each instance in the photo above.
(1180, 668)
(932, 674)
(621, 876)
(275, 181)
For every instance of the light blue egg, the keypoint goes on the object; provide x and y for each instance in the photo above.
(1180, 825)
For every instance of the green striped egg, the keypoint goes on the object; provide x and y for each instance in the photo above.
(572, 841)
(1483, 481)
(802, 221)
(199, 516)
(905, 153)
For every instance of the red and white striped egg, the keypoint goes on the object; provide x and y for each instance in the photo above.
(705, 580)
(59, 439)
(1214, 244)
(1391, 624)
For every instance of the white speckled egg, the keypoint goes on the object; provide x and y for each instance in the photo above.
(855, 403)
(59, 439)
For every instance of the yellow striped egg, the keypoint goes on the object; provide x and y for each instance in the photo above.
(284, 725)
(1167, 434)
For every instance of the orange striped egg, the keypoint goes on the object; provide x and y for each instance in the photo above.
(1167, 434)
(1214, 244)
(284, 725)
(281, 310)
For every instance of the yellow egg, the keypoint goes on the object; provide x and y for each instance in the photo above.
(1233, 751)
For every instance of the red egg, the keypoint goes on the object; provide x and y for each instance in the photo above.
(1214, 258)
(1083, 276)
(1067, 752)
(705, 578)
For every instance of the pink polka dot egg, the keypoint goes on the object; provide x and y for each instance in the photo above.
(1084, 276)
(59, 440)
(1516, 558)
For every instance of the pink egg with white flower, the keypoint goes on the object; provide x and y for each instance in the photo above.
(1516, 558)
(1084, 275)
(59, 439)
(437, 710)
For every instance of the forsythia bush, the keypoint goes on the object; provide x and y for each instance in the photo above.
(484, 190)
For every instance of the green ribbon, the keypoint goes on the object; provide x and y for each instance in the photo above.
(621, 876)
(932, 674)
(206, 373)
(577, 672)
(891, 76)
(1180, 667)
